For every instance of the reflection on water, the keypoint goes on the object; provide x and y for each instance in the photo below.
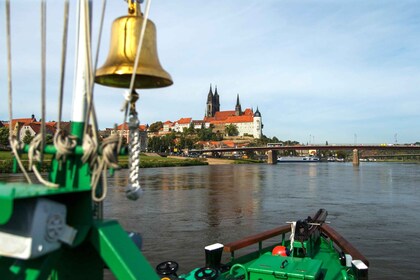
(376, 206)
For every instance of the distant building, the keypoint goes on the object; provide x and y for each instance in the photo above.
(248, 122)
(124, 131)
(23, 126)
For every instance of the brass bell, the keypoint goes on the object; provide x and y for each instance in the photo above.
(118, 67)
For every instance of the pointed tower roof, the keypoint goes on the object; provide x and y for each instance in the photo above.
(257, 113)
(210, 95)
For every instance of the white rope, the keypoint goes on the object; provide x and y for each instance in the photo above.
(134, 190)
(16, 146)
(128, 95)
(292, 235)
(90, 148)
(34, 154)
(109, 159)
(64, 144)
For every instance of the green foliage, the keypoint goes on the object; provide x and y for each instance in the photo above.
(4, 136)
(156, 126)
(342, 154)
(155, 161)
(205, 134)
(49, 139)
(186, 142)
(162, 144)
(231, 130)
(28, 137)
(6, 166)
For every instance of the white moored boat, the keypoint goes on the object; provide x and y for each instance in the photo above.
(298, 159)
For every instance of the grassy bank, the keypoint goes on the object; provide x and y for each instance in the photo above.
(6, 162)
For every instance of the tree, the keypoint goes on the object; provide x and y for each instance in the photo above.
(4, 136)
(49, 139)
(191, 129)
(28, 137)
(205, 134)
(156, 126)
(231, 130)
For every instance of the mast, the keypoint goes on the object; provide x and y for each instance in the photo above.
(81, 75)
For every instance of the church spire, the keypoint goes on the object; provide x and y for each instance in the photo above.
(216, 102)
(238, 109)
(210, 104)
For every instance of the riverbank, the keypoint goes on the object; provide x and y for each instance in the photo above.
(209, 161)
(146, 161)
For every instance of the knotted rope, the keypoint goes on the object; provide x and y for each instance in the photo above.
(109, 159)
(64, 144)
(134, 190)
(35, 154)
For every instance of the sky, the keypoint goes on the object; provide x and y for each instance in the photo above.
(317, 70)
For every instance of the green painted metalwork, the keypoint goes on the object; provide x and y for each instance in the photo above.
(114, 246)
(77, 129)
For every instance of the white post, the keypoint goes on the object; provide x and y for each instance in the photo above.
(81, 75)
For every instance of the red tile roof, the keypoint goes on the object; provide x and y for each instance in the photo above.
(222, 115)
(124, 126)
(184, 121)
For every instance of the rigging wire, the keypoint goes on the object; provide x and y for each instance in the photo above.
(43, 72)
(14, 143)
(37, 145)
(63, 62)
(63, 142)
(91, 108)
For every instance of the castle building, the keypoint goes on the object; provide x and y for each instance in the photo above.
(247, 122)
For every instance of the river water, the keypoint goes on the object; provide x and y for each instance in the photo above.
(375, 206)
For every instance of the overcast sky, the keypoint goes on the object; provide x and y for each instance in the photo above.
(336, 71)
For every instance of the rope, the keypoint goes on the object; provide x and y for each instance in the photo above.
(109, 159)
(129, 93)
(292, 235)
(134, 190)
(64, 144)
(34, 154)
(90, 148)
(14, 144)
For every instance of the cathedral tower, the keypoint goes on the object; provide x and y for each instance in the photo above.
(238, 109)
(209, 111)
(213, 104)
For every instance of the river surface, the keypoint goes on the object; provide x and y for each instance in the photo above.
(375, 206)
